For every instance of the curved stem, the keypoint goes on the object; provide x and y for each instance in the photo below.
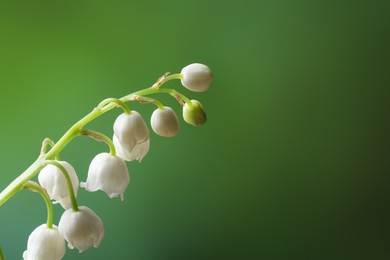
(165, 78)
(100, 137)
(152, 90)
(68, 182)
(148, 100)
(116, 101)
(2, 257)
(48, 142)
(177, 95)
(35, 187)
(172, 76)
(17, 184)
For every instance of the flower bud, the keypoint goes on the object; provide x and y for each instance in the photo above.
(194, 114)
(130, 129)
(196, 77)
(138, 153)
(107, 173)
(164, 122)
(45, 243)
(82, 229)
(53, 180)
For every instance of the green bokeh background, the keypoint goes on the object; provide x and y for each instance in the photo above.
(292, 164)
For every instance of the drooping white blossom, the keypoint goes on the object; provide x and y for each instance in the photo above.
(45, 243)
(196, 77)
(130, 129)
(164, 122)
(107, 173)
(194, 114)
(131, 136)
(137, 153)
(82, 229)
(53, 180)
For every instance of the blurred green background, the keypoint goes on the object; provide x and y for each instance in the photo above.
(292, 164)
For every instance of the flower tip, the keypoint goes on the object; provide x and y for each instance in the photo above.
(194, 113)
(196, 77)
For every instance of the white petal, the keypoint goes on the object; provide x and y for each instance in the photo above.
(82, 229)
(45, 243)
(108, 173)
(130, 129)
(196, 77)
(52, 179)
(138, 152)
(164, 122)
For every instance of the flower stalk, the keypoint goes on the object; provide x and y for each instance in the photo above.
(101, 138)
(68, 182)
(2, 257)
(35, 187)
(16, 185)
(58, 181)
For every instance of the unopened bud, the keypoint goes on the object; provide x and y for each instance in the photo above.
(164, 122)
(194, 114)
(196, 77)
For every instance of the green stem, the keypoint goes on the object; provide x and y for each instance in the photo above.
(116, 101)
(100, 137)
(68, 182)
(35, 187)
(177, 94)
(148, 100)
(48, 142)
(2, 257)
(168, 78)
(153, 90)
(17, 184)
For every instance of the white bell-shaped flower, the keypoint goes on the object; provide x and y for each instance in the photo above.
(107, 173)
(194, 113)
(164, 122)
(131, 136)
(53, 180)
(196, 77)
(137, 153)
(82, 229)
(45, 243)
(130, 129)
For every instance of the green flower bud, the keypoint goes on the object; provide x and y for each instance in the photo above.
(194, 114)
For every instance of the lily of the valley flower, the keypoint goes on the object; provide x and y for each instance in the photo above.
(82, 229)
(45, 243)
(164, 122)
(53, 180)
(194, 114)
(138, 153)
(107, 173)
(196, 77)
(131, 136)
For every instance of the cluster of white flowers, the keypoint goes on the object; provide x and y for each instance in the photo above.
(79, 225)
